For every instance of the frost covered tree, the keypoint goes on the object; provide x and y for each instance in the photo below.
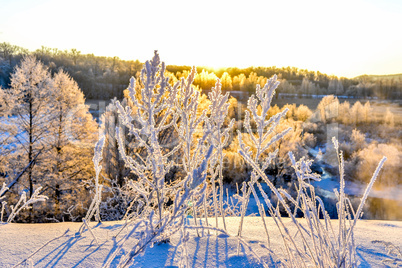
(389, 118)
(7, 131)
(328, 108)
(238, 82)
(335, 86)
(357, 113)
(205, 80)
(339, 88)
(30, 95)
(48, 135)
(113, 166)
(72, 133)
(307, 87)
(226, 81)
(286, 87)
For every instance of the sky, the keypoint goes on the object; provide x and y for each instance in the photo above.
(343, 38)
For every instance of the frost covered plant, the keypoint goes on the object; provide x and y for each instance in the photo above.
(3, 189)
(347, 217)
(189, 125)
(94, 208)
(315, 242)
(152, 168)
(156, 107)
(23, 203)
(219, 139)
(182, 247)
(263, 137)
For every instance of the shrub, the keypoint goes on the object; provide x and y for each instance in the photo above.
(359, 168)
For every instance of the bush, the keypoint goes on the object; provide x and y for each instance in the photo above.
(360, 167)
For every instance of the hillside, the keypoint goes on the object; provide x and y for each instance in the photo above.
(380, 76)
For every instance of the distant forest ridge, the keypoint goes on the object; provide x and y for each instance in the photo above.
(102, 77)
(380, 76)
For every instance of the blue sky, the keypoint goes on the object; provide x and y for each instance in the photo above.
(345, 38)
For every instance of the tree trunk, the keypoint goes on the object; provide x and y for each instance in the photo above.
(30, 150)
(56, 200)
(57, 193)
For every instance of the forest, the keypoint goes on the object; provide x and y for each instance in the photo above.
(106, 77)
(177, 143)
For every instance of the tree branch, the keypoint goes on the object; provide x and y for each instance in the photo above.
(21, 173)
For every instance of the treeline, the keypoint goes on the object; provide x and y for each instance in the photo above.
(98, 77)
(297, 82)
(107, 77)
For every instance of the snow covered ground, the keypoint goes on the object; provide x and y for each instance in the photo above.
(19, 241)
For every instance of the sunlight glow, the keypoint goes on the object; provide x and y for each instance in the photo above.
(345, 38)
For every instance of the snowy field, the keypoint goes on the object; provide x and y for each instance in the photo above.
(22, 241)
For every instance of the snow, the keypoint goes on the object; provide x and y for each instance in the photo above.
(19, 241)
